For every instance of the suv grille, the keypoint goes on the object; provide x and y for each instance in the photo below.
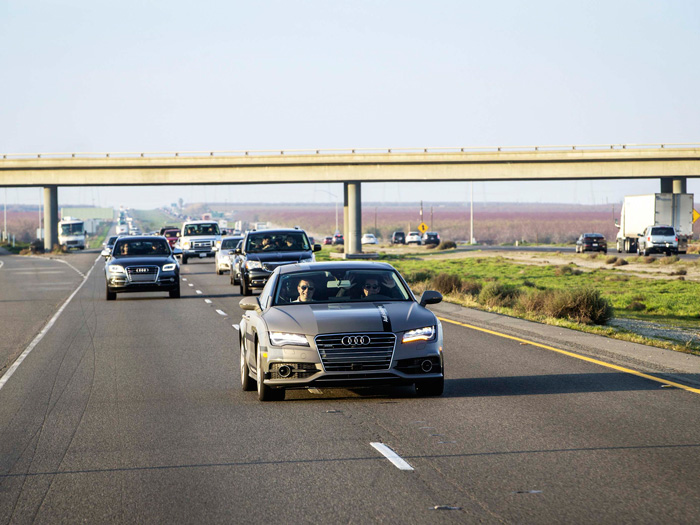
(354, 352)
(202, 245)
(142, 274)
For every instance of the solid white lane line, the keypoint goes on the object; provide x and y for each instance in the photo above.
(221, 312)
(24, 271)
(236, 327)
(43, 332)
(199, 291)
(392, 456)
(2, 263)
(208, 301)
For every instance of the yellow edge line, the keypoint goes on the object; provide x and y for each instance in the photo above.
(577, 356)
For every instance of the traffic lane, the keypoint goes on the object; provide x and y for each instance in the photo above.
(31, 290)
(113, 415)
(516, 418)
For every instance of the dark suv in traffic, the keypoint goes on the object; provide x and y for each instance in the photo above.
(398, 238)
(263, 251)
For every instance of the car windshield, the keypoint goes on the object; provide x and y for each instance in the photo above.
(277, 242)
(229, 244)
(341, 285)
(72, 229)
(208, 228)
(593, 236)
(171, 233)
(663, 231)
(141, 247)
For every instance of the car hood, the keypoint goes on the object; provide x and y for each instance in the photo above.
(279, 256)
(380, 316)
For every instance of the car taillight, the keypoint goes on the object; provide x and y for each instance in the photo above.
(649, 238)
(676, 238)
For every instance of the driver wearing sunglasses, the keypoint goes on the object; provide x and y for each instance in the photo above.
(306, 291)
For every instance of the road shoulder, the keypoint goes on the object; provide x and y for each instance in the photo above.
(680, 367)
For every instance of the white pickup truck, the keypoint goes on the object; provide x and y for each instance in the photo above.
(199, 239)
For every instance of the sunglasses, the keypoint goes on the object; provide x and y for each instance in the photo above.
(368, 286)
(303, 288)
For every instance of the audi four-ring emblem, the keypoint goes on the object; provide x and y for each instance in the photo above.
(355, 340)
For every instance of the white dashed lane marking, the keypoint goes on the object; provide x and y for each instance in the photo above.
(184, 279)
(208, 301)
(190, 284)
(199, 291)
(221, 312)
(392, 456)
(236, 327)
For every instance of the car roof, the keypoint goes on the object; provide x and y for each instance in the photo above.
(322, 266)
(278, 230)
(201, 222)
(593, 235)
(141, 237)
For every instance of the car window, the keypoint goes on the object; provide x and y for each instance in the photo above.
(208, 228)
(277, 242)
(341, 285)
(141, 248)
(229, 244)
(661, 230)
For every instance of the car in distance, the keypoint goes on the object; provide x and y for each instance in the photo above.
(327, 241)
(109, 243)
(199, 239)
(398, 238)
(343, 325)
(172, 234)
(591, 242)
(413, 238)
(658, 239)
(368, 238)
(338, 239)
(263, 251)
(235, 265)
(223, 255)
(141, 264)
(431, 238)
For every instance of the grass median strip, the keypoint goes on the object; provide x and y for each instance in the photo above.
(574, 355)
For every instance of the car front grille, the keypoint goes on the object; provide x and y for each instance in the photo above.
(202, 245)
(270, 266)
(142, 274)
(355, 352)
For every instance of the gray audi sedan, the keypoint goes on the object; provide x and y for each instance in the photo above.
(341, 325)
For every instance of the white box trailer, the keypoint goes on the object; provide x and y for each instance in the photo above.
(655, 209)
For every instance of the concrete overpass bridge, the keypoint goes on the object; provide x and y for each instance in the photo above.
(671, 163)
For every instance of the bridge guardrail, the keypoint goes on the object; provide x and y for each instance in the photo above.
(348, 151)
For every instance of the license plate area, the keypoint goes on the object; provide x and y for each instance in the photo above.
(202, 255)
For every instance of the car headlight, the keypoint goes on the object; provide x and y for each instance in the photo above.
(115, 268)
(169, 267)
(419, 334)
(186, 245)
(253, 264)
(282, 339)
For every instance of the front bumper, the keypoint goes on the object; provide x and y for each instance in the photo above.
(257, 278)
(308, 369)
(121, 284)
(199, 253)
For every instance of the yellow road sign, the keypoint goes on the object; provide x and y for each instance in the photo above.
(422, 227)
(696, 216)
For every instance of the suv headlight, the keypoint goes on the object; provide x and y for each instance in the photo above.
(115, 268)
(186, 245)
(169, 267)
(253, 264)
(419, 334)
(282, 339)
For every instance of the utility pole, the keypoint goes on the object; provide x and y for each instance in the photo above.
(431, 218)
(421, 212)
(5, 226)
(375, 220)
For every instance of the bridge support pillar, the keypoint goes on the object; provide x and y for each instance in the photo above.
(674, 185)
(50, 217)
(353, 226)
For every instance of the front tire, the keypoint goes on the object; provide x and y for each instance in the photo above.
(110, 296)
(175, 294)
(430, 388)
(184, 259)
(265, 393)
(246, 381)
(245, 289)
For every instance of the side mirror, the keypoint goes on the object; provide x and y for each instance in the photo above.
(177, 251)
(215, 248)
(430, 297)
(317, 247)
(232, 252)
(249, 303)
(105, 253)
(238, 251)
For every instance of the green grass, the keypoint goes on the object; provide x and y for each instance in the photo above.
(667, 301)
(153, 220)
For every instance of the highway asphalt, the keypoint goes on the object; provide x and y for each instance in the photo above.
(131, 411)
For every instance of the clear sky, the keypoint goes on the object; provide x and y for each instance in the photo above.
(98, 76)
